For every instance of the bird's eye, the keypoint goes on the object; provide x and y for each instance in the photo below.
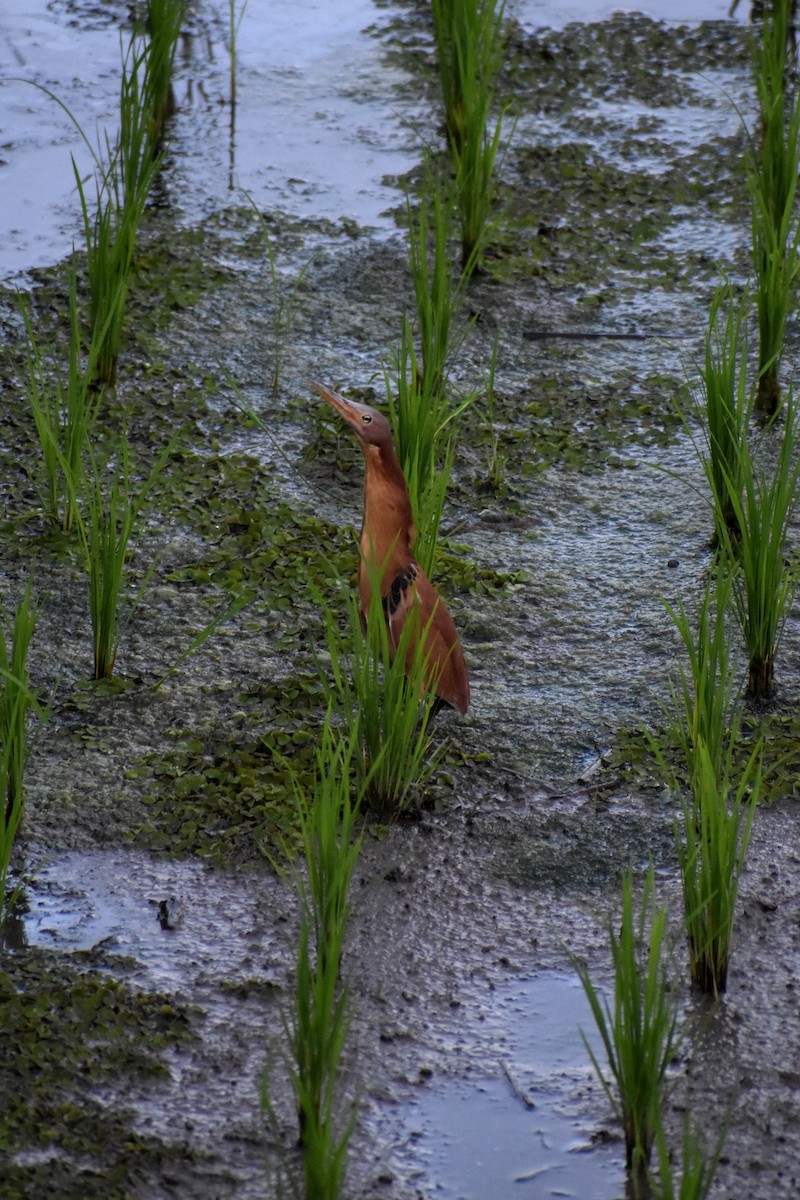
(366, 418)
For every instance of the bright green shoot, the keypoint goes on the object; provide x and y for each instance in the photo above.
(106, 522)
(727, 405)
(419, 423)
(164, 20)
(469, 47)
(385, 700)
(16, 702)
(704, 698)
(711, 843)
(469, 42)
(109, 254)
(773, 168)
(110, 225)
(711, 840)
(64, 412)
(638, 1033)
(318, 1027)
(765, 586)
(698, 1168)
(437, 297)
(476, 194)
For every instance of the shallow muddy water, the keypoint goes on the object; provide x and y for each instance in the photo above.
(145, 887)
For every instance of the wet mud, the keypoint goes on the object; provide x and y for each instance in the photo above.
(152, 928)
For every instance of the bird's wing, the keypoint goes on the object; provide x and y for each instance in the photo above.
(411, 589)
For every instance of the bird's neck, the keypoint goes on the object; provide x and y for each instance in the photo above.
(387, 534)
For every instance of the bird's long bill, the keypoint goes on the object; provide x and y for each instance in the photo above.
(349, 409)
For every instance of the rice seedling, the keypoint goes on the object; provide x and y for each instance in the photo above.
(437, 297)
(385, 702)
(64, 412)
(331, 850)
(765, 585)
(470, 48)
(110, 227)
(16, 701)
(470, 45)
(772, 169)
(711, 839)
(164, 21)
(419, 421)
(698, 1168)
(106, 522)
(475, 192)
(711, 843)
(727, 406)
(421, 411)
(109, 254)
(317, 1026)
(639, 1032)
(703, 703)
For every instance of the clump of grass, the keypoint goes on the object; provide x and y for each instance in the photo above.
(639, 1032)
(64, 411)
(385, 698)
(711, 847)
(704, 699)
(765, 586)
(469, 45)
(122, 186)
(164, 21)
(474, 168)
(16, 702)
(773, 167)
(727, 406)
(438, 297)
(698, 1168)
(420, 421)
(317, 1025)
(712, 835)
(106, 521)
(421, 412)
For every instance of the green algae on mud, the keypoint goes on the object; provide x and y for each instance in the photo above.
(70, 1030)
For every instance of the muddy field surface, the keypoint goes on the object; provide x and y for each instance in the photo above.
(134, 1053)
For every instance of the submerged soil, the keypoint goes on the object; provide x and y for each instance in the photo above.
(135, 1050)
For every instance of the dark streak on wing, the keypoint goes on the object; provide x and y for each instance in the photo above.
(397, 590)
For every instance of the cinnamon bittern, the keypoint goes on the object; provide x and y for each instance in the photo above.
(386, 543)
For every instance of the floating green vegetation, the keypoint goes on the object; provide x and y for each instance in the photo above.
(68, 1032)
(633, 762)
(613, 60)
(232, 799)
(560, 421)
(277, 547)
(574, 216)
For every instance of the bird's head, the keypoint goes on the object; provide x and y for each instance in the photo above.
(371, 427)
